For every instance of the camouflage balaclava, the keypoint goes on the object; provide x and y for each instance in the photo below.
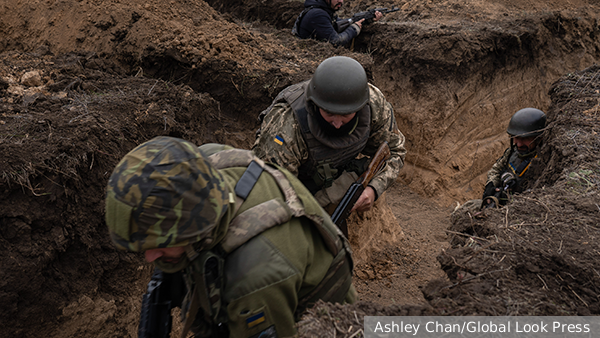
(164, 194)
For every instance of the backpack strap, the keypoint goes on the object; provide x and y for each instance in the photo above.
(248, 180)
(299, 20)
(263, 216)
(255, 221)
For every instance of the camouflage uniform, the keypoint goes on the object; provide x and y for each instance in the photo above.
(281, 250)
(281, 140)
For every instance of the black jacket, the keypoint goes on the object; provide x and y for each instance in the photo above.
(316, 22)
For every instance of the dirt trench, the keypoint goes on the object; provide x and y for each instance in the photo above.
(454, 73)
(455, 83)
(113, 75)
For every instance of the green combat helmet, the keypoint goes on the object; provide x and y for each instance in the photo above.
(339, 86)
(164, 194)
(527, 122)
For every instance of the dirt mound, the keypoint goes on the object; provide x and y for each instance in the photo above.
(83, 82)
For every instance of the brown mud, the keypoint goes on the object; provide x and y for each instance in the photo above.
(83, 82)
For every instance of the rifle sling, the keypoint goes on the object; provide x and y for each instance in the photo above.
(192, 312)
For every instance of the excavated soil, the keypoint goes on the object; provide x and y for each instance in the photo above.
(83, 82)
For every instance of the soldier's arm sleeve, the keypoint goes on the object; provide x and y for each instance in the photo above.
(385, 128)
(212, 148)
(497, 169)
(344, 38)
(280, 141)
(319, 23)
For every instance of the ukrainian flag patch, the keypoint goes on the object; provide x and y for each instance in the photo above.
(278, 139)
(255, 320)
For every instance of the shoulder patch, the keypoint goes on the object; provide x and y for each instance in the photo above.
(278, 139)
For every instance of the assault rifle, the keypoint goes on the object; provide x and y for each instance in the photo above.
(342, 211)
(369, 16)
(499, 198)
(165, 291)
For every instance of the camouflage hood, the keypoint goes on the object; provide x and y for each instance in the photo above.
(164, 193)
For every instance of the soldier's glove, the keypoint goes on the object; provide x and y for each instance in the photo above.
(490, 190)
(508, 180)
(358, 166)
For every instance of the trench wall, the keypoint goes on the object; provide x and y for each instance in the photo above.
(454, 90)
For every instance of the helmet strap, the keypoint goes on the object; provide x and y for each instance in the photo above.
(191, 252)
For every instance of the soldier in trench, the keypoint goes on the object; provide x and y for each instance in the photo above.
(317, 22)
(510, 174)
(227, 225)
(319, 129)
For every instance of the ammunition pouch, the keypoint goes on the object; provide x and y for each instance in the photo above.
(324, 175)
(358, 165)
(204, 279)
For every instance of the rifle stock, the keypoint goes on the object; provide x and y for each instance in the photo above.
(342, 211)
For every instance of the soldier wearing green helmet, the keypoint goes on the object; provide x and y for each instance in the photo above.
(252, 245)
(510, 173)
(320, 128)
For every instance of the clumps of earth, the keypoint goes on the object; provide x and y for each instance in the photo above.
(82, 83)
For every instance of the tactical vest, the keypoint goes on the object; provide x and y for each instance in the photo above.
(327, 156)
(518, 165)
(250, 223)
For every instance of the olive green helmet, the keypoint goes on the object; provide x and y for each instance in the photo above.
(527, 122)
(162, 194)
(339, 86)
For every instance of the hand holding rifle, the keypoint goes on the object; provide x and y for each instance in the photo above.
(500, 197)
(361, 18)
(377, 16)
(354, 199)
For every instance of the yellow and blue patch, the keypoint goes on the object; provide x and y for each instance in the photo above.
(255, 320)
(278, 139)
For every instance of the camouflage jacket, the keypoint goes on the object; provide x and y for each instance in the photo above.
(283, 251)
(510, 161)
(280, 138)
